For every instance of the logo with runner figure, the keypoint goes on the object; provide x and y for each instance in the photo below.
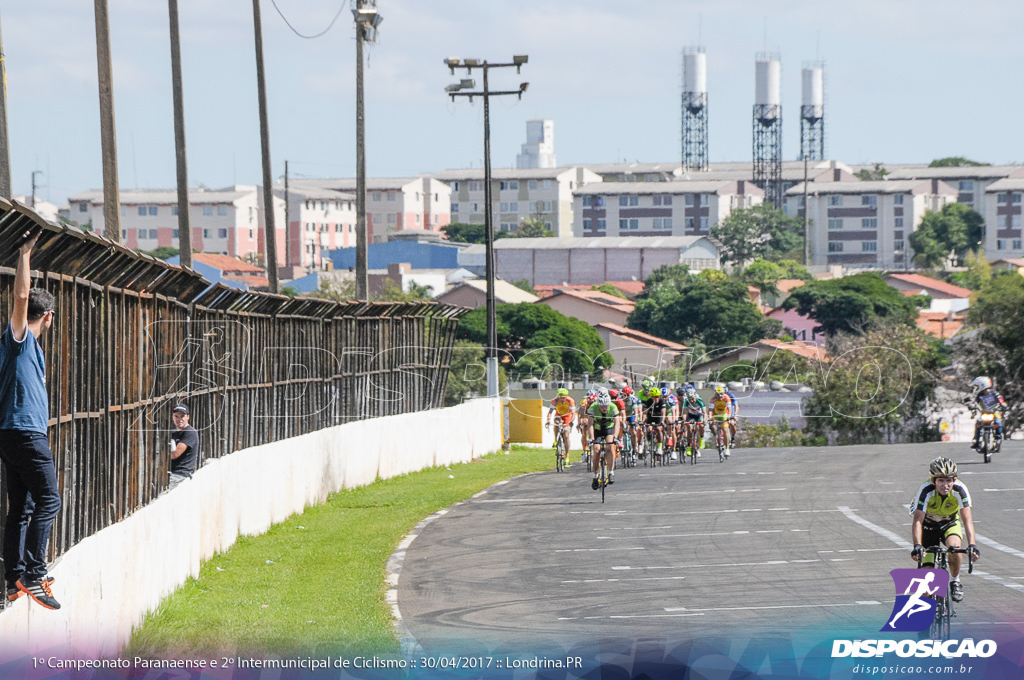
(914, 608)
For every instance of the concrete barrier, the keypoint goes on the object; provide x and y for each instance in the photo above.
(108, 582)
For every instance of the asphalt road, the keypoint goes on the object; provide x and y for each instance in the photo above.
(771, 542)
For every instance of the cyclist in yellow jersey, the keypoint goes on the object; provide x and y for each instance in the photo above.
(942, 514)
(720, 410)
(564, 407)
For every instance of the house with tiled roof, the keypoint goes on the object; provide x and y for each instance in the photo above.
(942, 325)
(638, 354)
(631, 289)
(591, 306)
(473, 294)
(946, 297)
(231, 271)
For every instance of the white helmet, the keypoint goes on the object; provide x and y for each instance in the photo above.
(604, 399)
(981, 383)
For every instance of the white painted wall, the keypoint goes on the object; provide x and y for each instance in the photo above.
(108, 582)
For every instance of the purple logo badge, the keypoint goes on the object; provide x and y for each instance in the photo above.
(914, 608)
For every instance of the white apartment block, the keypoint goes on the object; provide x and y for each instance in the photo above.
(1004, 205)
(971, 182)
(680, 208)
(517, 195)
(396, 204)
(867, 224)
(226, 221)
(318, 220)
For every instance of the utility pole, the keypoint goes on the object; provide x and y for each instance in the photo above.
(108, 136)
(5, 147)
(184, 223)
(268, 187)
(287, 222)
(34, 173)
(367, 21)
(459, 90)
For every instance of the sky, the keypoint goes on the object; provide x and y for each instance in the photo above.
(906, 81)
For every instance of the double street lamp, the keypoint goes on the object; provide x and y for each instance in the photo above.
(466, 88)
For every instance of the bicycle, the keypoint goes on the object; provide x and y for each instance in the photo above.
(944, 611)
(627, 449)
(694, 433)
(602, 475)
(561, 453)
(722, 438)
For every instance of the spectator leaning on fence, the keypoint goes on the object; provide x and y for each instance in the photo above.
(184, 447)
(33, 497)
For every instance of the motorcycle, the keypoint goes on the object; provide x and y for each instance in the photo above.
(986, 438)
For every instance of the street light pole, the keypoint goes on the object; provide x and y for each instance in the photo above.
(458, 90)
(367, 20)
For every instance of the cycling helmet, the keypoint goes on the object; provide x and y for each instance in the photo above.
(603, 399)
(981, 383)
(563, 392)
(720, 389)
(664, 391)
(680, 390)
(646, 384)
(614, 394)
(942, 467)
(691, 394)
(627, 391)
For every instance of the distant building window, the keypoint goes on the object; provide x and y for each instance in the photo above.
(587, 223)
(513, 206)
(207, 210)
(689, 199)
(897, 246)
(206, 233)
(966, 185)
(1015, 220)
(869, 200)
(222, 210)
(835, 223)
(602, 225)
(1016, 244)
(634, 200)
(869, 223)
(666, 200)
(835, 246)
(1001, 197)
(1000, 244)
(869, 246)
(174, 234)
(835, 200)
(376, 195)
(455, 186)
(547, 184)
(1015, 197)
(124, 234)
(83, 207)
(142, 210)
(897, 222)
(704, 223)
(897, 199)
(532, 185)
(152, 210)
(222, 233)
(174, 210)
(623, 201)
(662, 222)
(455, 207)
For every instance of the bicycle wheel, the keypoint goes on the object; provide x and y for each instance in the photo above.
(559, 453)
(604, 473)
(939, 629)
(720, 439)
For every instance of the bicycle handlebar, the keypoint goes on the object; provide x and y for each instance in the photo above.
(936, 549)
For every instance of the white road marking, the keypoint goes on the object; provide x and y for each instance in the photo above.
(1000, 490)
(629, 580)
(859, 603)
(561, 550)
(713, 566)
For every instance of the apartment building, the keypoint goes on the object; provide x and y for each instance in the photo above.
(226, 221)
(1004, 205)
(867, 224)
(319, 220)
(542, 193)
(972, 182)
(678, 208)
(396, 204)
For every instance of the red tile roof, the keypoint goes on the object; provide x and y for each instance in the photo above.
(940, 324)
(929, 283)
(597, 297)
(805, 349)
(644, 338)
(228, 264)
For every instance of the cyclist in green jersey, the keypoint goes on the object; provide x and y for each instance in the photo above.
(604, 417)
(942, 514)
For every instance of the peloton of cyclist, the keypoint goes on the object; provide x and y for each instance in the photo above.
(942, 514)
(604, 419)
(563, 407)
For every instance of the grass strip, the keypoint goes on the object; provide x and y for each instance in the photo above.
(314, 583)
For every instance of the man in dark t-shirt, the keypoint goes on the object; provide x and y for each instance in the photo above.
(184, 447)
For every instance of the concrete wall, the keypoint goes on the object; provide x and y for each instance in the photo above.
(108, 582)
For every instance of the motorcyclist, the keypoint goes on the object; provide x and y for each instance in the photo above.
(985, 399)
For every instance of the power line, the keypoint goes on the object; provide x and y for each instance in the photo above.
(317, 35)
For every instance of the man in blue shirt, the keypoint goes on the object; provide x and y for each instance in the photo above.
(33, 497)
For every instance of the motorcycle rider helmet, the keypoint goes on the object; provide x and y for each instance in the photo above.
(981, 383)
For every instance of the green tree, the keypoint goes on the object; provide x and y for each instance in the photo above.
(337, 289)
(393, 292)
(458, 232)
(792, 269)
(954, 162)
(707, 308)
(997, 348)
(533, 227)
(609, 289)
(849, 304)
(877, 173)
(526, 331)
(163, 252)
(878, 387)
(467, 374)
(978, 274)
(759, 232)
(763, 275)
(946, 236)
(524, 284)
